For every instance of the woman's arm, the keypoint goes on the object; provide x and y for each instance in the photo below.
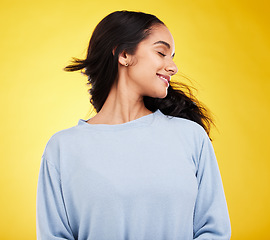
(211, 218)
(52, 220)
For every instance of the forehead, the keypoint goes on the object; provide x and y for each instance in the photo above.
(160, 33)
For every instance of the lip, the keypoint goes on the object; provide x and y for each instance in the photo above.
(168, 78)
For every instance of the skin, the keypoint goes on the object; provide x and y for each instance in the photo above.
(125, 100)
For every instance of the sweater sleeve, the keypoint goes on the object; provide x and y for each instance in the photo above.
(52, 221)
(211, 218)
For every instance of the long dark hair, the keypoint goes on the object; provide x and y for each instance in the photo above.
(123, 31)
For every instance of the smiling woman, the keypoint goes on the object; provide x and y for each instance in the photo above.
(113, 46)
(131, 171)
(152, 59)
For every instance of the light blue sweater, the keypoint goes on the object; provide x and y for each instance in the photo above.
(153, 178)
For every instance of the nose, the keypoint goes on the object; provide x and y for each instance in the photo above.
(171, 67)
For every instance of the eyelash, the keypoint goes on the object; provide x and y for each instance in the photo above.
(160, 53)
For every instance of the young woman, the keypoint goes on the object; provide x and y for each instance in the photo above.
(143, 168)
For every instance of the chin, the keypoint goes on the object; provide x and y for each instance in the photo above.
(157, 92)
(164, 96)
(161, 94)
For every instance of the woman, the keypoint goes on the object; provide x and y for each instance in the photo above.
(131, 171)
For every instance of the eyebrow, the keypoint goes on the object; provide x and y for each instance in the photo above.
(166, 44)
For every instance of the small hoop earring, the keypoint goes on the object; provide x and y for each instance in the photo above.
(126, 64)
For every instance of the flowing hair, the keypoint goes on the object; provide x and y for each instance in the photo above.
(123, 31)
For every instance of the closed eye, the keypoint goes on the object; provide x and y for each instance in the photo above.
(162, 54)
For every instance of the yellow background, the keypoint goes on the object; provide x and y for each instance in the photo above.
(223, 46)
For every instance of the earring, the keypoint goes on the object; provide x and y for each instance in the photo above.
(126, 64)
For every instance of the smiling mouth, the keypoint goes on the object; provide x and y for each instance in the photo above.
(164, 78)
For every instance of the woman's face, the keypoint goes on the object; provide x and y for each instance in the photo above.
(152, 66)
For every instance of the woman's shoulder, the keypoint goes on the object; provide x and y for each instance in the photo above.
(185, 126)
(64, 133)
(63, 136)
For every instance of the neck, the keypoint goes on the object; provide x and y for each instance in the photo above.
(123, 104)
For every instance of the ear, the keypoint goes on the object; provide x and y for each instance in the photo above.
(123, 58)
